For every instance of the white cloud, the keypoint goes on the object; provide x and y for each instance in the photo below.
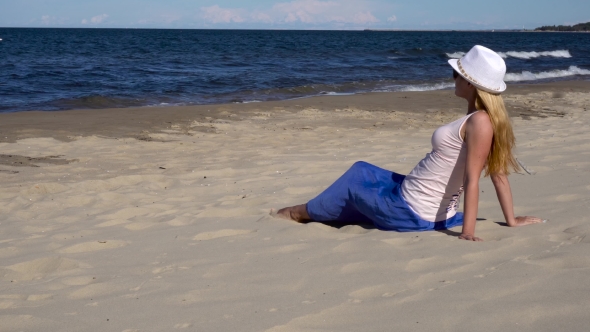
(261, 17)
(306, 11)
(216, 14)
(364, 17)
(99, 18)
(46, 19)
(96, 19)
(392, 18)
(170, 18)
(296, 11)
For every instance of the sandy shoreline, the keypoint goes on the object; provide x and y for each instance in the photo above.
(136, 121)
(156, 219)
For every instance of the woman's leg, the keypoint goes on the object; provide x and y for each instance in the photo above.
(354, 197)
(364, 194)
(337, 201)
(297, 213)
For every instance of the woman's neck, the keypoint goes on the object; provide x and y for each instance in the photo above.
(471, 105)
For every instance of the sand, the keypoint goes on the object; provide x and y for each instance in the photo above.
(156, 219)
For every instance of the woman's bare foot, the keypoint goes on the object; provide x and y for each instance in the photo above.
(296, 213)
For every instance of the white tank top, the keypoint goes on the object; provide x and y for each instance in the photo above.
(433, 187)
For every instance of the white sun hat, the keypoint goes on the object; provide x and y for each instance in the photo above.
(483, 68)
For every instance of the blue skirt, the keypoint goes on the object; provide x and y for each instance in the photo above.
(369, 194)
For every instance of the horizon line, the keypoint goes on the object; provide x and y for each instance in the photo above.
(294, 29)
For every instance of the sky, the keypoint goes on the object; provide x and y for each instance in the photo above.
(293, 14)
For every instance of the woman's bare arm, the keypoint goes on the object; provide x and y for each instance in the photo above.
(478, 140)
(504, 194)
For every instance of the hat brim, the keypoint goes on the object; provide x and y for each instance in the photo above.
(453, 63)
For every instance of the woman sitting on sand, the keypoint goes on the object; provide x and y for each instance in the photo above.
(427, 198)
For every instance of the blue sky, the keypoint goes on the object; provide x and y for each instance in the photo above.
(293, 14)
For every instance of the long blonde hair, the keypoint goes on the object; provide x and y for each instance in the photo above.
(500, 159)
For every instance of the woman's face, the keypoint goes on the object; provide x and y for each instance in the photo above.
(463, 88)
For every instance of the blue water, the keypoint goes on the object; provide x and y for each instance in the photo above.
(57, 69)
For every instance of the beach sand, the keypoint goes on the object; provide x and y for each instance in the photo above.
(157, 219)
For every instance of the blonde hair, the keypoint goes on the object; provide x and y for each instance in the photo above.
(500, 158)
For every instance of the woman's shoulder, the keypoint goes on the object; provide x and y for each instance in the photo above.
(480, 118)
(480, 123)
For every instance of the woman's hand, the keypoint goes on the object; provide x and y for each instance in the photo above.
(469, 237)
(526, 220)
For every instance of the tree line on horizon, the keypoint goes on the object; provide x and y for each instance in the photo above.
(577, 27)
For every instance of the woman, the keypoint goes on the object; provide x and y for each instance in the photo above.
(427, 198)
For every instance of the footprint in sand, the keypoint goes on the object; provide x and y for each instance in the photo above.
(567, 239)
(435, 263)
(402, 243)
(579, 230)
(79, 281)
(300, 190)
(93, 246)
(139, 226)
(113, 222)
(214, 212)
(563, 261)
(347, 247)
(354, 229)
(25, 322)
(94, 291)
(221, 233)
(22, 300)
(181, 221)
(46, 188)
(292, 248)
(566, 198)
(8, 251)
(182, 325)
(359, 267)
(572, 235)
(37, 268)
(39, 297)
(165, 269)
(37, 229)
(372, 292)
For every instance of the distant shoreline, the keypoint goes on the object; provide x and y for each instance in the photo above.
(455, 30)
(356, 30)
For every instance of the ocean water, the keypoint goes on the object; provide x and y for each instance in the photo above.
(58, 69)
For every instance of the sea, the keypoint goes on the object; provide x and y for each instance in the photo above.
(60, 69)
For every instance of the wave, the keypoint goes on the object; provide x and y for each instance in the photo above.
(97, 102)
(532, 55)
(427, 87)
(332, 93)
(530, 76)
(456, 55)
(414, 87)
(521, 55)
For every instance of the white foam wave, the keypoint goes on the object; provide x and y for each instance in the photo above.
(332, 93)
(456, 55)
(420, 87)
(530, 76)
(521, 55)
(428, 87)
(532, 55)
